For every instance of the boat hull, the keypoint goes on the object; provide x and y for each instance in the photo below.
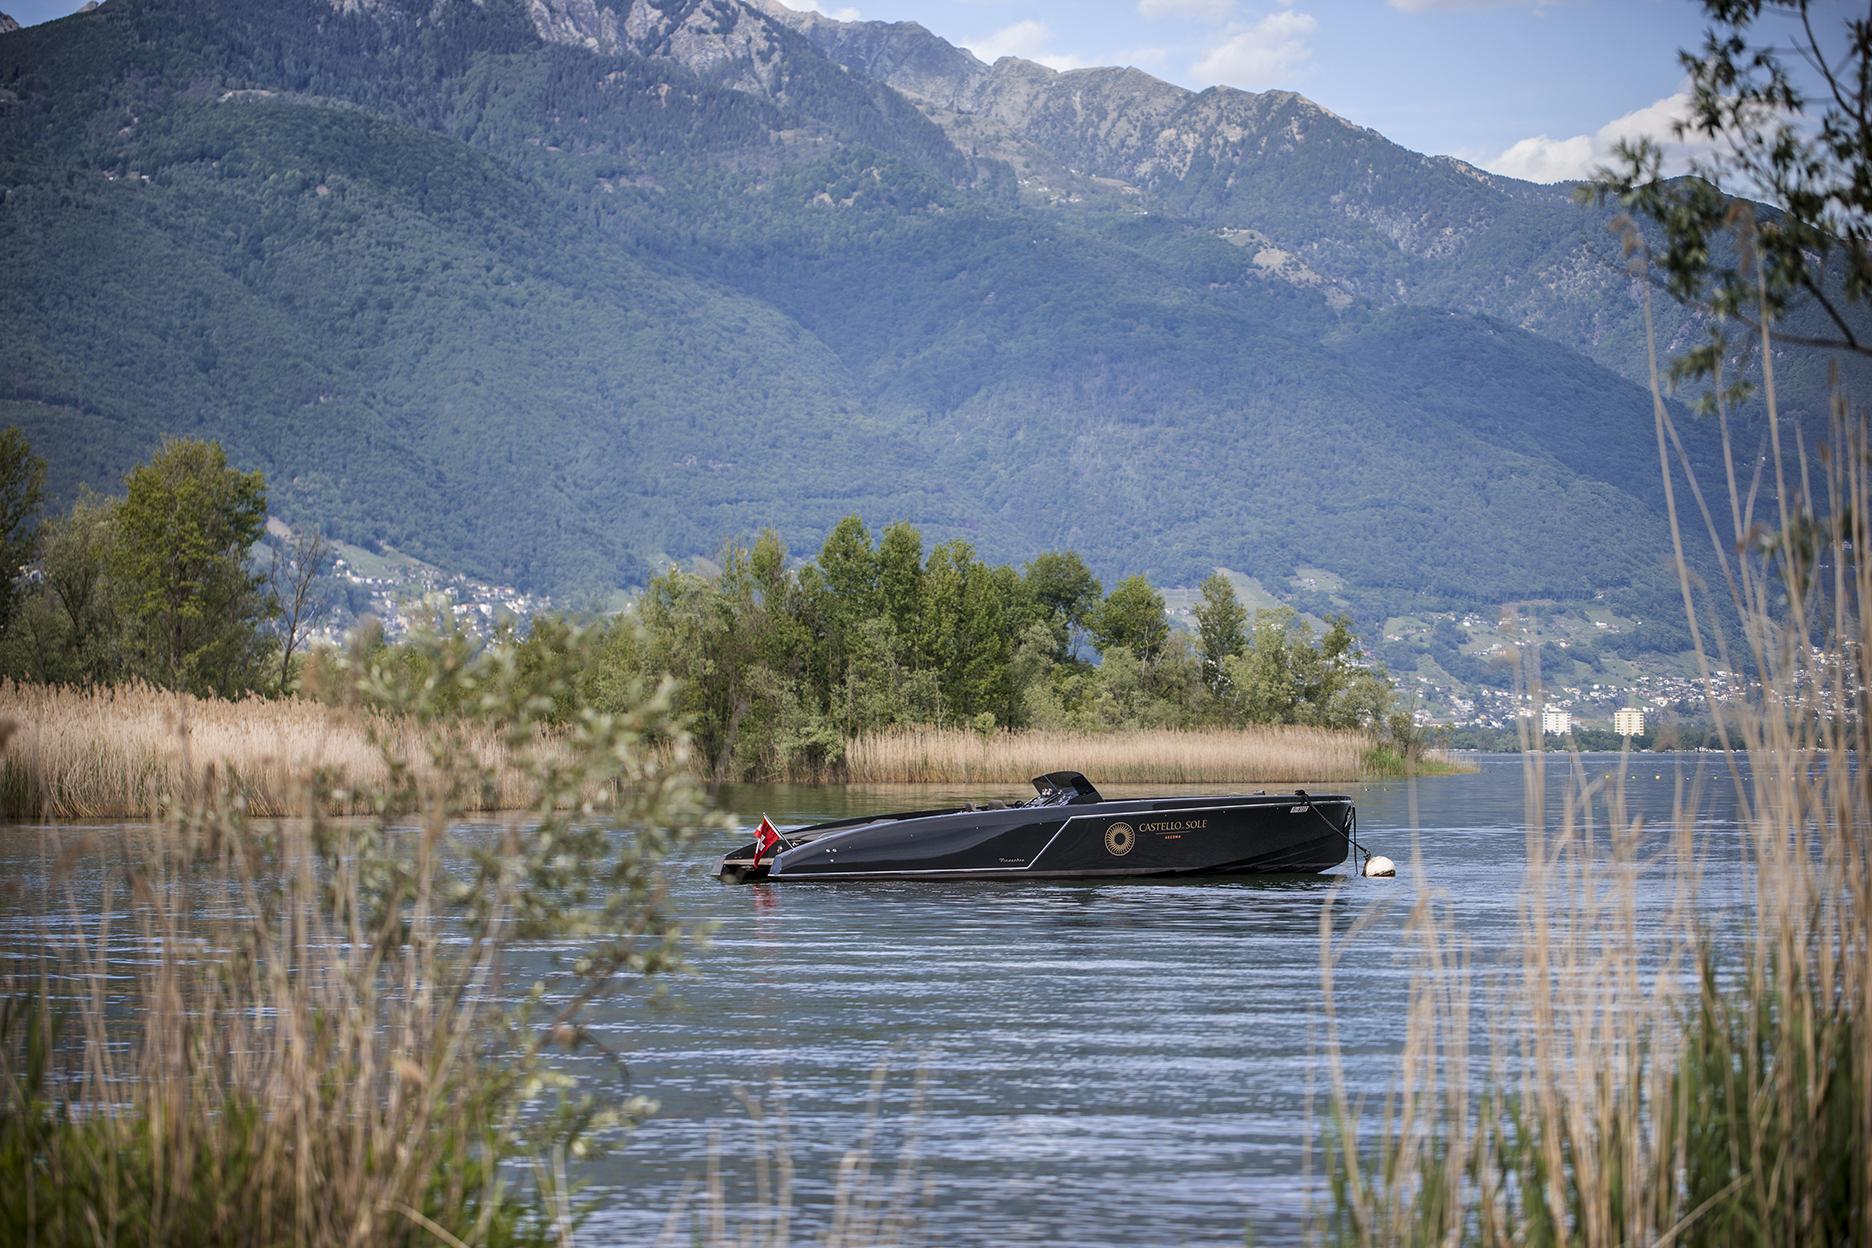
(1289, 834)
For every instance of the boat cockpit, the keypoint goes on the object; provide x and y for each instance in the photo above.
(1062, 788)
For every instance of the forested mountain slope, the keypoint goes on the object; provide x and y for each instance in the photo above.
(549, 291)
(1322, 201)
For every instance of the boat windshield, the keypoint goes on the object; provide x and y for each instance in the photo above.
(1063, 788)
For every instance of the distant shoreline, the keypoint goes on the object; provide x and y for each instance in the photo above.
(127, 752)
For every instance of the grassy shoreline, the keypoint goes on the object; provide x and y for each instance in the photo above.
(122, 753)
(1274, 753)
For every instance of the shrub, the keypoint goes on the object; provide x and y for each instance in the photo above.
(336, 1030)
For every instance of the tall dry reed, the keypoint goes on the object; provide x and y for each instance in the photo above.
(330, 1031)
(1273, 753)
(124, 752)
(1643, 1077)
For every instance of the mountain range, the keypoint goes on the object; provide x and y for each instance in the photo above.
(550, 292)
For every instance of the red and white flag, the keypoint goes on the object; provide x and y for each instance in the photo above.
(765, 838)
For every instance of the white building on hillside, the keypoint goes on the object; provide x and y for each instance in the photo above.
(1553, 719)
(1628, 722)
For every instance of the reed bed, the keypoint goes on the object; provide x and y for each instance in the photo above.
(124, 752)
(342, 1031)
(1641, 1073)
(1274, 753)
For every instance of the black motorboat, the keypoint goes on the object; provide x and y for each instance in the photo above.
(1067, 830)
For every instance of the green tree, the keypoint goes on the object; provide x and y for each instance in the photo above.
(194, 609)
(876, 690)
(1131, 616)
(960, 623)
(22, 479)
(1286, 676)
(900, 582)
(1220, 628)
(848, 564)
(1065, 592)
(945, 640)
(1261, 679)
(78, 594)
(849, 561)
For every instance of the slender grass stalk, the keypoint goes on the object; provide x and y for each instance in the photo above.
(327, 1030)
(1651, 1079)
(872, 1204)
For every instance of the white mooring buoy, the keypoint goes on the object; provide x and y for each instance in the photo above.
(1379, 865)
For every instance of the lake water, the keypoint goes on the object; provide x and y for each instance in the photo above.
(1099, 1063)
(1095, 1064)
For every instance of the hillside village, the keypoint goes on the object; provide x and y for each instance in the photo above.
(403, 594)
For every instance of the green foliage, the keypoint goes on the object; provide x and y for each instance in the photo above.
(374, 1055)
(1810, 154)
(1065, 592)
(775, 666)
(156, 585)
(1285, 676)
(1219, 628)
(1132, 616)
(192, 605)
(22, 479)
(70, 631)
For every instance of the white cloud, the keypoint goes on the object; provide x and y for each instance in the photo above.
(1029, 40)
(1208, 10)
(1544, 159)
(1258, 54)
(1541, 159)
(1425, 6)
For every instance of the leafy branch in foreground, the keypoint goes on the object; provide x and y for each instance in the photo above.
(1759, 133)
(335, 1030)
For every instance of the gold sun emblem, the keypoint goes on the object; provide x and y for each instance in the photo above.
(1119, 838)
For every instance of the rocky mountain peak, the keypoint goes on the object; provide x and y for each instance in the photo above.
(1118, 122)
(902, 55)
(1221, 155)
(703, 34)
(742, 45)
(724, 40)
(7, 24)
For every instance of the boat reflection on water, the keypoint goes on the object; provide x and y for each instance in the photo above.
(1066, 831)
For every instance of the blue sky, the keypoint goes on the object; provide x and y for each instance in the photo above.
(1534, 88)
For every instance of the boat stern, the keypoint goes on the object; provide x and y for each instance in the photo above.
(738, 866)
